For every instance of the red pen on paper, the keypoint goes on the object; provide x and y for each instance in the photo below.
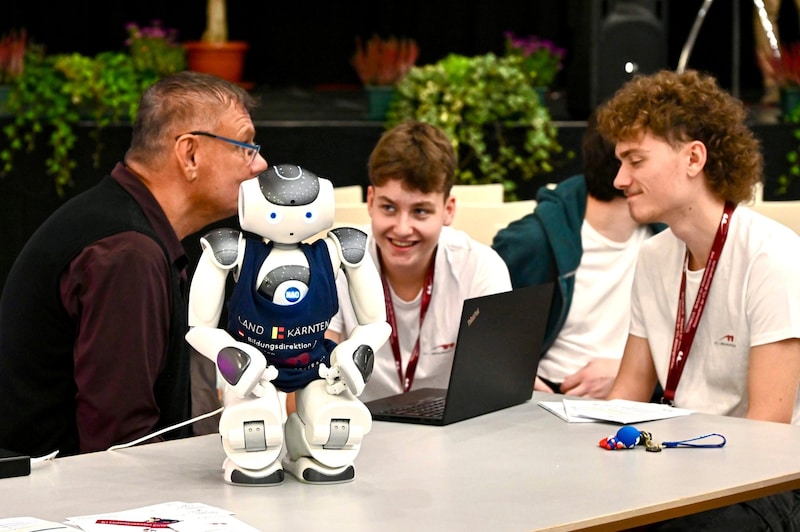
(153, 522)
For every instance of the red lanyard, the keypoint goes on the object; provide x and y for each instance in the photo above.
(684, 335)
(407, 379)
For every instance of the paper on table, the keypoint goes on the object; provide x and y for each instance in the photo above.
(557, 408)
(30, 524)
(194, 517)
(615, 410)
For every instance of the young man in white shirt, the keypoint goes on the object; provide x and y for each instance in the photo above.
(428, 269)
(715, 314)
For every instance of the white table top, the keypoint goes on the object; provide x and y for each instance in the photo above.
(519, 469)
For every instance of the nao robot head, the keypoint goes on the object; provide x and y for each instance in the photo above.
(286, 204)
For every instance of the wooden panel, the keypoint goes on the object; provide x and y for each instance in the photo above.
(483, 221)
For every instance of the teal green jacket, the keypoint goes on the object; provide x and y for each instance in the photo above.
(546, 246)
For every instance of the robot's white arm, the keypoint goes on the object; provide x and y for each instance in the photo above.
(242, 366)
(365, 289)
(222, 252)
(352, 359)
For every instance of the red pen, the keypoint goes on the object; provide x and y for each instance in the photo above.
(153, 522)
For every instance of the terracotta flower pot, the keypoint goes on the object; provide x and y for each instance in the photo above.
(225, 60)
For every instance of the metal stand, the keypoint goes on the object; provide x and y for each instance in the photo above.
(736, 39)
(686, 51)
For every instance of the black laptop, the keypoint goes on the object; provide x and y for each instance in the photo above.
(494, 365)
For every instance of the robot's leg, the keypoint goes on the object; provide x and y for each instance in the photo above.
(323, 437)
(252, 436)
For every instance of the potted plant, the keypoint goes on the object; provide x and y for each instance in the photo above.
(541, 58)
(57, 91)
(785, 70)
(12, 63)
(489, 107)
(380, 64)
(155, 49)
(214, 53)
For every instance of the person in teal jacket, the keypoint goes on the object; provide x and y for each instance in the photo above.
(582, 212)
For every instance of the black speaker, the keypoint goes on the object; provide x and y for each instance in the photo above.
(612, 41)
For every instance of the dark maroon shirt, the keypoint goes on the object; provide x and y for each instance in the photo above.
(117, 292)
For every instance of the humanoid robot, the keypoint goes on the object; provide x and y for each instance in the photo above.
(282, 302)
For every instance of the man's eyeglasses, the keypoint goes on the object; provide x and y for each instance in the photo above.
(249, 151)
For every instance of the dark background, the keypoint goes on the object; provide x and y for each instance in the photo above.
(301, 44)
(313, 111)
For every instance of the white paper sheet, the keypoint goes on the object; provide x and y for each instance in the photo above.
(615, 411)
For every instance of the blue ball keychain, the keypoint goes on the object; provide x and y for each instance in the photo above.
(628, 437)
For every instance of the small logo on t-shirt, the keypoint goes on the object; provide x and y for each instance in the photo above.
(278, 333)
(443, 349)
(727, 340)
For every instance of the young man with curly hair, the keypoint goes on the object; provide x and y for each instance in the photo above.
(715, 313)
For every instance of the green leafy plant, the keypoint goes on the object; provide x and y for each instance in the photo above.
(541, 58)
(491, 111)
(155, 48)
(55, 92)
(792, 173)
(785, 70)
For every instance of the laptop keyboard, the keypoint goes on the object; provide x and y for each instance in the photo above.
(424, 408)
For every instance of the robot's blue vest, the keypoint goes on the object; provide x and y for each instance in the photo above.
(291, 337)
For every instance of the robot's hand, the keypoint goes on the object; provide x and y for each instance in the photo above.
(242, 365)
(351, 367)
(245, 369)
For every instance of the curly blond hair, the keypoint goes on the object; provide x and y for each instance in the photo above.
(690, 106)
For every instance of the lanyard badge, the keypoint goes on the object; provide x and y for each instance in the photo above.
(685, 331)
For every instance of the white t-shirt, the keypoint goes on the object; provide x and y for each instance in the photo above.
(754, 299)
(599, 315)
(465, 268)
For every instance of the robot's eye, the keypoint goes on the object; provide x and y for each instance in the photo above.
(274, 217)
(310, 217)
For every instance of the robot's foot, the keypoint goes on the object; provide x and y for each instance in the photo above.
(269, 476)
(312, 472)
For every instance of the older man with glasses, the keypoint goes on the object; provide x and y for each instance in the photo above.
(94, 311)
(248, 151)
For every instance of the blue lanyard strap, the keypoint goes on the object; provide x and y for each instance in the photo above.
(686, 443)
